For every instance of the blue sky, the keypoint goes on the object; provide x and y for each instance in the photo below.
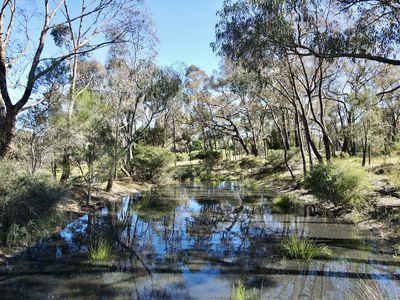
(185, 29)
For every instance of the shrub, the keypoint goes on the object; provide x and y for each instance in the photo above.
(274, 158)
(210, 176)
(301, 248)
(150, 162)
(182, 157)
(254, 186)
(100, 250)
(9, 171)
(185, 173)
(18, 236)
(394, 180)
(229, 164)
(210, 158)
(28, 207)
(32, 198)
(249, 163)
(346, 186)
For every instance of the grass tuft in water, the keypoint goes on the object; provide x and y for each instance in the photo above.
(100, 250)
(238, 291)
(301, 248)
(281, 203)
(372, 291)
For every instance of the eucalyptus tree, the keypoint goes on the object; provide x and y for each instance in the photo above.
(257, 33)
(196, 87)
(390, 99)
(25, 52)
(235, 109)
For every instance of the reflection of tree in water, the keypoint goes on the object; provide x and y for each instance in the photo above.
(167, 234)
(171, 232)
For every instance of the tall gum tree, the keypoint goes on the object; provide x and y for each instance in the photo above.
(18, 47)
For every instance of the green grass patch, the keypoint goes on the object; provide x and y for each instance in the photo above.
(253, 187)
(100, 250)
(238, 291)
(281, 203)
(301, 248)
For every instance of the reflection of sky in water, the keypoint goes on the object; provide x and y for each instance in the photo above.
(78, 227)
(207, 238)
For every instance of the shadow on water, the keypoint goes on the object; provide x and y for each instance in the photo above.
(194, 242)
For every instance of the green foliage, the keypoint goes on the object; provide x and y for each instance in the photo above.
(182, 157)
(187, 172)
(393, 148)
(197, 145)
(18, 236)
(149, 162)
(254, 186)
(27, 205)
(281, 204)
(30, 198)
(274, 158)
(238, 291)
(210, 158)
(211, 176)
(100, 250)
(229, 164)
(342, 185)
(9, 171)
(250, 162)
(301, 248)
(274, 141)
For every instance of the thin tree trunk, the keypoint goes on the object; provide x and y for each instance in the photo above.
(300, 142)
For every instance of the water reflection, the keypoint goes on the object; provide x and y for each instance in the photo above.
(194, 242)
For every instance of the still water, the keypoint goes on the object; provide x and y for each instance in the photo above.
(195, 242)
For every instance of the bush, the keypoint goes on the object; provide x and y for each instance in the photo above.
(346, 186)
(250, 162)
(211, 158)
(274, 158)
(150, 162)
(28, 205)
(32, 197)
(185, 173)
(210, 176)
(229, 164)
(182, 157)
(18, 236)
(300, 248)
(9, 171)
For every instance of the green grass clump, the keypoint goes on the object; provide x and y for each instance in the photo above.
(253, 187)
(99, 251)
(281, 203)
(394, 180)
(342, 185)
(301, 248)
(238, 291)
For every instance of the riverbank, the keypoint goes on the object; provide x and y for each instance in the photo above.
(73, 205)
(378, 217)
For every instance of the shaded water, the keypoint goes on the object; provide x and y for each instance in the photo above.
(195, 242)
